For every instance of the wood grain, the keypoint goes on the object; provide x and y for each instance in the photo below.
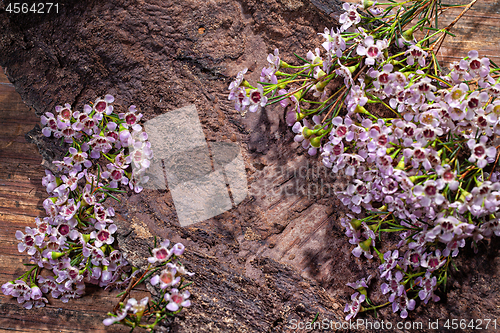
(477, 30)
(21, 194)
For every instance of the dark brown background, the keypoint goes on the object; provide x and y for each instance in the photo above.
(274, 258)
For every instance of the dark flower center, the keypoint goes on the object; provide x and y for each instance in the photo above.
(482, 121)
(89, 123)
(63, 229)
(130, 119)
(113, 135)
(416, 53)
(419, 154)
(68, 131)
(66, 114)
(424, 87)
(361, 189)
(409, 131)
(382, 140)
(475, 64)
(473, 103)
(433, 262)
(384, 78)
(447, 226)
(73, 274)
(167, 277)
(341, 131)
(479, 151)
(372, 51)
(428, 133)
(161, 254)
(337, 150)
(29, 240)
(448, 176)
(256, 97)
(415, 258)
(100, 107)
(116, 175)
(430, 190)
(103, 235)
(177, 299)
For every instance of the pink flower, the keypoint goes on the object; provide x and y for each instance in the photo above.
(350, 17)
(240, 97)
(257, 98)
(353, 308)
(131, 118)
(416, 53)
(274, 60)
(177, 300)
(479, 153)
(404, 304)
(167, 277)
(334, 43)
(103, 236)
(371, 49)
(161, 254)
(102, 106)
(30, 241)
(178, 249)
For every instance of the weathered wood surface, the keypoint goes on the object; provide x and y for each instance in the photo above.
(277, 251)
(477, 30)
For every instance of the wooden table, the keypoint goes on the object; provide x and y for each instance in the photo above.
(21, 192)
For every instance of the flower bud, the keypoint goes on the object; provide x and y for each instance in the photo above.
(307, 132)
(408, 34)
(56, 255)
(315, 142)
(401, 164)
(352, 69)
(355, 224)
(284, 64)
(365, 245)
(86, 237)
(245, 84)
(367, 4)
(361, 109)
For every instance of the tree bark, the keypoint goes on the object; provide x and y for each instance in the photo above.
(281, 253)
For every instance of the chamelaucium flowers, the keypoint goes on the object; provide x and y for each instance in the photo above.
(166, 273)
(421, 164)
(75, 242)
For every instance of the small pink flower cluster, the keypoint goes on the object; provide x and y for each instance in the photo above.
(75, 240)
(426, 170)
(170, 280)
(171, 275)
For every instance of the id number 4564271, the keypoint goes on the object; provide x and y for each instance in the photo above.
(475, 324)
(35, 8)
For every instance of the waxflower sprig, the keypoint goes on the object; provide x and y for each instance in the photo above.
(74, 243)
(169, 279)
(423, 167)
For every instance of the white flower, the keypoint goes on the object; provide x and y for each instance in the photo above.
(479, 153)
(371, 49)
(350, 17)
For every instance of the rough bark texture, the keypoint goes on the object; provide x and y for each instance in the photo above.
(281, 254)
